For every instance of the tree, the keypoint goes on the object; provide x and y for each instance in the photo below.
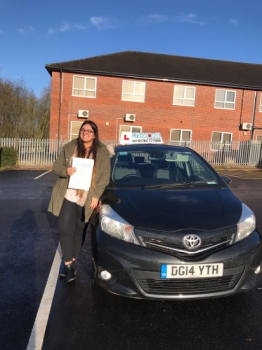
(43, 114)
(22, 114)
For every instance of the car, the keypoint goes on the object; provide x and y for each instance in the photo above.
(171, 228)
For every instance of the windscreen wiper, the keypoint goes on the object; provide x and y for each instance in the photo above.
(173, 185)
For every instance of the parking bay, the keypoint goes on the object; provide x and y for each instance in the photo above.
(106, 320)
(84, 316)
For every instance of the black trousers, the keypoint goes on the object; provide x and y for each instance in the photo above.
(71, 223)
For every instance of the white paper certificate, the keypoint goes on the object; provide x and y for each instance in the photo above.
(81, 179)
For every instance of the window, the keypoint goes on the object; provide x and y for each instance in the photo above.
(127, 128)
(259, 138)
(221, 140)
(75, 126)
(158, 166)
(184, 96)
(225, 99)
(133, 91)
(180, 136)
(84, 86)
(260, 105)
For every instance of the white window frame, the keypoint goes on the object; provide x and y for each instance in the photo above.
(134, 94)
(71, 129)
(181, 141)
(184, 99)
(221, 144)
(225, 100)
(130, 129)
(84, 89)
(260, 105)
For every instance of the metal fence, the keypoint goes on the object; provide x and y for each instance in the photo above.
(244, 153)
(35, 152)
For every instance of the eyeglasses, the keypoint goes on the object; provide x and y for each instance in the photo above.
(87, 131)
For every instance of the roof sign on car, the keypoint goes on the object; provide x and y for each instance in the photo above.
(140, 137)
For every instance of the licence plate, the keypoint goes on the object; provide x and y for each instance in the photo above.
(191, 271)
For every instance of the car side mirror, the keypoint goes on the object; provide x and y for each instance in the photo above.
(226, 179)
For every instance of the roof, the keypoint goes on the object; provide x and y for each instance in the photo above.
(167, 67)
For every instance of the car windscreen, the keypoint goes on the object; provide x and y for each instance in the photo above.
(153, 167)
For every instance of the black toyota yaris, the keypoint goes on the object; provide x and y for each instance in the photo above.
(170, 228)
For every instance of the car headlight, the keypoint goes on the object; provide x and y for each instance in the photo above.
(114, 225)
(246, 224)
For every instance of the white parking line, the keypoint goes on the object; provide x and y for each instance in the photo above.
(38, 331)
(42, 174)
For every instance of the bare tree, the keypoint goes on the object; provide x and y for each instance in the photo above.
(22, 114)
(43, 120)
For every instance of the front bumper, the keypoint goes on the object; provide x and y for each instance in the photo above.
(135, 270)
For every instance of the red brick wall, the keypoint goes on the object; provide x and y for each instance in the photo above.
(156, 114)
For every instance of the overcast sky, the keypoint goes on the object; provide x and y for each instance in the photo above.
(34, 33)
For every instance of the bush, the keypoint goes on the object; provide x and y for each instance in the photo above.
(8, 156)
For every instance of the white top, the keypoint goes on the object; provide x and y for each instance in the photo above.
(71, 195)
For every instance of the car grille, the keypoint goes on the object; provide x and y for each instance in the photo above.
(188, 286)
(175, 249)
(171, 242)
(151, 283)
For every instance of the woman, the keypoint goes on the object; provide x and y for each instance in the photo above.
(74, 207)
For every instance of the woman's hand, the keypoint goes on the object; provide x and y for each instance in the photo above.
(98, 208)
(70, 171)
(94, 203)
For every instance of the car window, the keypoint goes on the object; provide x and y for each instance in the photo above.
(153, 167)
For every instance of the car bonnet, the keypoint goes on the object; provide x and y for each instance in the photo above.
(179, 209)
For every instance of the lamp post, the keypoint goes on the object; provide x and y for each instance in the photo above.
(117, 128)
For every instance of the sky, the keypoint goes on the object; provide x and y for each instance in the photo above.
(34, 33)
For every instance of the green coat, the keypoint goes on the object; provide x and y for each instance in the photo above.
(60, 166)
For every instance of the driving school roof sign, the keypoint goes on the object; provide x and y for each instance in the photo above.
(140, 137)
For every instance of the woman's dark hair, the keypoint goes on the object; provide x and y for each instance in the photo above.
(81, 152)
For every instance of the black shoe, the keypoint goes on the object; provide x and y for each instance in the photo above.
(62, 271)
(70, 273)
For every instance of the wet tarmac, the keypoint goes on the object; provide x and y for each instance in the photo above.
(84, 316)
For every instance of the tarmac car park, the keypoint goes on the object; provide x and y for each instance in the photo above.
(170, 228)
(28, 246)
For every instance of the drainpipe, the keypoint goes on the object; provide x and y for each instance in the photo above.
(253, 116)
(59, 112)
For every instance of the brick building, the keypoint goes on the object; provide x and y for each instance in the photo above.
(184, 98)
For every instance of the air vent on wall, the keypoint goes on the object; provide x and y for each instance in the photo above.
(83, 113)
(130, 117)
(246, 126)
